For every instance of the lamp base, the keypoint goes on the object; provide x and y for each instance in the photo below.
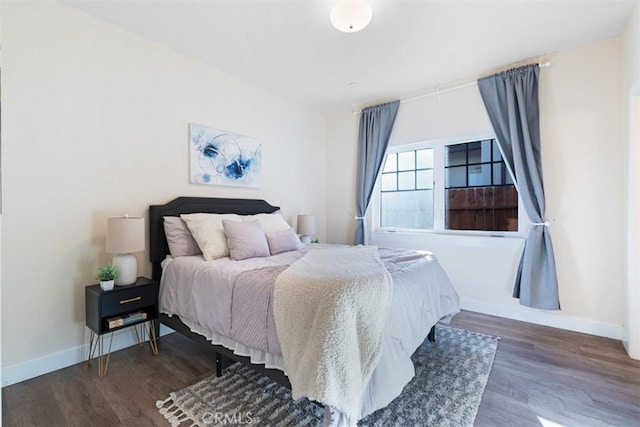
(305, 239)
(127, 266)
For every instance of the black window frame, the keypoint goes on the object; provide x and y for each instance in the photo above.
(494, 146)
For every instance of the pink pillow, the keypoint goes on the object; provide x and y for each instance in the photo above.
(179, 238)
(283, 241)
(246, 239)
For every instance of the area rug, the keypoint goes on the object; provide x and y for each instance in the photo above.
(451, 375)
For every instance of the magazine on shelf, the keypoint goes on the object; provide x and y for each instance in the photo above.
(126, 319)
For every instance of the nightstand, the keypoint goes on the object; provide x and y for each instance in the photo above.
(124, 306)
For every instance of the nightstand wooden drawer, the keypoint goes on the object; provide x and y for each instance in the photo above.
(126, 300)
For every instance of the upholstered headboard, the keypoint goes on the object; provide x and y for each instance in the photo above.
(158, 248)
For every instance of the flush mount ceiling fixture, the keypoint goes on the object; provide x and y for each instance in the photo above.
(350, 16)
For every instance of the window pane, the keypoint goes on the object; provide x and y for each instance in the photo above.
(498, 177)
(455, 155)
(389, 182)
(486, 150)
(479, 175)
(456, 177)
(425, 159)
(496, 152)
(406, 180)
(480, 151)
(407, 160)
(474, 152)
(482, 208)
(390, 163)
(424, 179)
(407, 209)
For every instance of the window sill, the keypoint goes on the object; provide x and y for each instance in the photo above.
(509, 241)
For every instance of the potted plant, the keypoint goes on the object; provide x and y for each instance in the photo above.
(107, 275)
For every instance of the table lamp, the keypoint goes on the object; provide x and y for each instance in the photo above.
(306, 227)
(124, 236)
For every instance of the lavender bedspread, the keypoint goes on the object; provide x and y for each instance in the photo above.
(231, 303)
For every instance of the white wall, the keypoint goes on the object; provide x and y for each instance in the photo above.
(583, 158)
(1, 121)
(631, 103)
(342, 146)
(95, 125)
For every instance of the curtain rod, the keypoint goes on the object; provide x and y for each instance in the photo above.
(437, 91)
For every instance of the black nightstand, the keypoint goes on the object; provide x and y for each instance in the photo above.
(122, 307)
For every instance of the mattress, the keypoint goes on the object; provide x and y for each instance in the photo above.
(200, 293)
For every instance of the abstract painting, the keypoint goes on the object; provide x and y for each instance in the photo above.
(224, 158)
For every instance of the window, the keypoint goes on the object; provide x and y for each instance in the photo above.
(479, 191)
(467, 181)
(406, 190)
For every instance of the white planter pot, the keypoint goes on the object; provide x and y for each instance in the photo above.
(107, 285)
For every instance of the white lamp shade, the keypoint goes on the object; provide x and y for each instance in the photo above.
(350, 16)
(125, 235)
(306, 225)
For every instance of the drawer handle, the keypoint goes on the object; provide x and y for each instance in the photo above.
(127, 301)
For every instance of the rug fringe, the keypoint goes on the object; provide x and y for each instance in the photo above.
(160, 403)
(173, 413)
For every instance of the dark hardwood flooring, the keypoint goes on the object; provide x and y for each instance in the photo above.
(540, 374)
(543, 374)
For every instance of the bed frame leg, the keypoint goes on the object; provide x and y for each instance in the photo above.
(432, 334)
(156, 328)
(218, 364)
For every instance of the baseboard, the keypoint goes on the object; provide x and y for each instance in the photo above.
(19, 372)
(545, 318)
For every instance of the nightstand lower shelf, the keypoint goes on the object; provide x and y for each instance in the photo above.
(97, 342)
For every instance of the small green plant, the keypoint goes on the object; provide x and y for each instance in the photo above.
(106, 273)
(315, 241)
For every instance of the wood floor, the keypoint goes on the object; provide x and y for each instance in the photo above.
(540, 375)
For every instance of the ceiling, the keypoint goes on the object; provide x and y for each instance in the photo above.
(291, 49)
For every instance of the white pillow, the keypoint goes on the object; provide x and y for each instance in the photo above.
(270, 222)
(208, 232)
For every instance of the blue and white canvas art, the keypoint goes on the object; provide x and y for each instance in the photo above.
(224, 158)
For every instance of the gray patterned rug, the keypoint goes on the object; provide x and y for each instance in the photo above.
(451, 375)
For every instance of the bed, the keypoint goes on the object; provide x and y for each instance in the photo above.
(190, 306)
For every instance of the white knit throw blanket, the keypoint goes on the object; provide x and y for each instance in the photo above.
(330, 307)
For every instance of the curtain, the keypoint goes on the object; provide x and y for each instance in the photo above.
(511, 99)
(376, 123)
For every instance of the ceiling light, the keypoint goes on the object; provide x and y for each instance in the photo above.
(351, 15)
